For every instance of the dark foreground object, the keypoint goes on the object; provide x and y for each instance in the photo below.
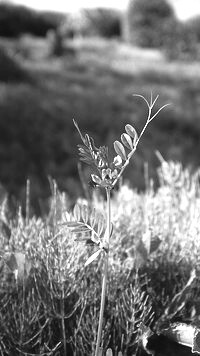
(160, 345)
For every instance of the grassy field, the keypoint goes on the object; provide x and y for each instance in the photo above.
(94, 84)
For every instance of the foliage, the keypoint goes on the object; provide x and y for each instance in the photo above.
(103, 22)
(194, 25)
(183, 41)
(149, 21)
(17, 19)
(11, 70)
(64, 295)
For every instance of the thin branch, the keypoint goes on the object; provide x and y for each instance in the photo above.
(141, 96)
(156, 98)
(164, 106)
(149, 119)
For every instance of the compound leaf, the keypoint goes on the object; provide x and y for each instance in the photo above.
(127, 141)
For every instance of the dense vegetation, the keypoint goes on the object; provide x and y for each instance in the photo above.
(17, 20)
(154, 24)
(149, 22)
(50, 301)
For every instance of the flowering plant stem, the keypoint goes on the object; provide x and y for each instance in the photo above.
(108, 175)
(98, 351)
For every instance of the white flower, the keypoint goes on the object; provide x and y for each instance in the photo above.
(117, 161)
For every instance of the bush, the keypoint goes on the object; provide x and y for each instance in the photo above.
(194, 25)
(10, 70)
(92, 22)
(16, 20)
(49, 299)
(103, 22)
(148, 22)
(182, 42)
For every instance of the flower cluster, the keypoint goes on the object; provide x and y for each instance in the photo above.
(108, 175)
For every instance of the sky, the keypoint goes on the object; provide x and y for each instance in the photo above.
(183, 8)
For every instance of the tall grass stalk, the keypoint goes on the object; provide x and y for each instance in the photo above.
(62, 302)
(27, 201)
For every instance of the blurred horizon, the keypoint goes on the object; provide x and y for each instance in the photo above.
(183, 9)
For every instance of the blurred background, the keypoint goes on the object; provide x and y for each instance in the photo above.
(60, 62)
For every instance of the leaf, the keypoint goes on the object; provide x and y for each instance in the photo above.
(119, 149)
(94, 238)
(132, 132)
(86, 155)
(84, 213)
(126, 140)
(96, 179)
(81, 229)
(72, 224)
(93, 257)
(85, 239)
(77, 212)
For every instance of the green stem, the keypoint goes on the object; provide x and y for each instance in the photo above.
(27, 201)
(63, 322)
(105, 276)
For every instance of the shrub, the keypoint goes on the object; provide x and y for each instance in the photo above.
(194, 25)
(16, 20)
(148, 22)
(48, 299)
(103, 22)
(10, 69)
(92, 22)
(182, 42)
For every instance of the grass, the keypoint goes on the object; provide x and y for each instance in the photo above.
(50, 302)
(95, 87)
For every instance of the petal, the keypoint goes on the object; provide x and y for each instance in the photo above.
(117, 161)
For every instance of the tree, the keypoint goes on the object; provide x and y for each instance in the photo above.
(148, 22)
